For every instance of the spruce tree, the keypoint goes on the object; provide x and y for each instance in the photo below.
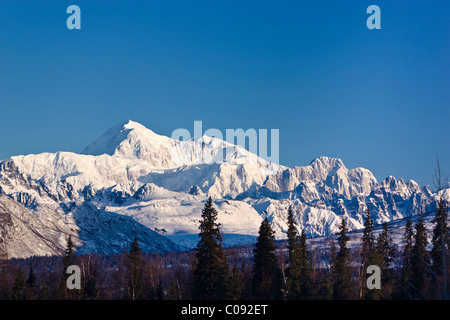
(90, 287)
(19, 285)
(211, 272)
(369, 256)
(159, 293)
(69, 256)
(266, 282)
(134, 269)
(342, 272)
(406, 271)
(30, 291)
(440, 250)
(294, 260)
(68, 260)
(43, 291)
(31, 277)
(306, 268)
(368, 238)
(236, 287)
(386, 253)
(420, 262)
(440, 239)
(325, 291)
(385, 248)
(369, 249)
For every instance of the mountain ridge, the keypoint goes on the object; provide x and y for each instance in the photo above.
(162, 184)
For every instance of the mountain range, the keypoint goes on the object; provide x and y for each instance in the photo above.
(132, 182)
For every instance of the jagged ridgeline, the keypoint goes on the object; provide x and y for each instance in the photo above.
(132, 182)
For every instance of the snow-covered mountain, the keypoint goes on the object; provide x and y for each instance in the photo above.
(134, 182)
(44, 229)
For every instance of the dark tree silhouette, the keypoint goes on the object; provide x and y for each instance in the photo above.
(134, 269)
(267, 280)
(342, 286)
(211, 274)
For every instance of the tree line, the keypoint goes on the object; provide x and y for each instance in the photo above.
(291, 269)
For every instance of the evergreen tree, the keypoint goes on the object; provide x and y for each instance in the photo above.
(159, 294)
(31, 277)
(68, 260)
(299, 263)
(440, 250)
(90, 287)
(134, 269)
(385, 248)
(211, 273)
(386, 253)
(369, 244)
(420, 262)
(342, 272)
(236, 287)
(30, 291)
(292, 235)
(325, 291)
(43, 292)
(69, 255)
(369, 249)
(277, 284)
(19, 285)
(294, 260)
(369, 256)
(406, 272)
(266, 282)
(306, 289)
(440, 239)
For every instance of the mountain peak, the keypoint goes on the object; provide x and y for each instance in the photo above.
(128, 139)
(132, 140)
(133, 125)
(327, 162)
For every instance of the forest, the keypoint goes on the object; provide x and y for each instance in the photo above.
(270, 269)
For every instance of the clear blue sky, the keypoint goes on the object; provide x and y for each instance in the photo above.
(379, 99)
